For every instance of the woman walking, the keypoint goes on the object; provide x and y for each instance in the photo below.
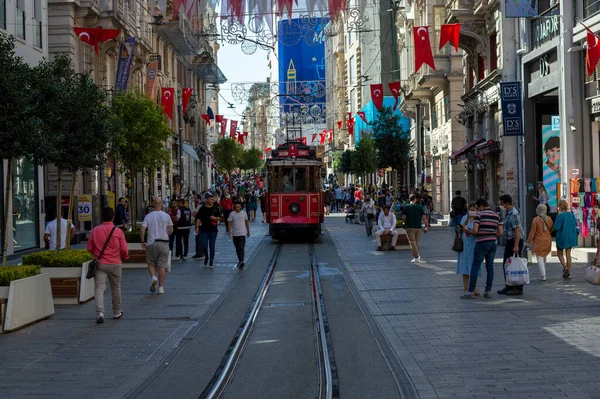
(566, 236)
(542, 197)
(263, 206)
(252, 206)
(465, 258)
(540, 238)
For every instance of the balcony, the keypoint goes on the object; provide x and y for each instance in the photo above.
(460, 10)
(429, 78)
(181, 35)
(209, 72)
(483, 7)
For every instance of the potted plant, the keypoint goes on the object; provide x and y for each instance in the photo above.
(25, 296)
(67, 270)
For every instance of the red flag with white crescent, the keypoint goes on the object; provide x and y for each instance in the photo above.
(377, 95)
(223, 126)
(206, 118)
(593, 52)
(349, 115)
(395, 89)
(218, 118)
(314, 136)
(340, 124)
(423, 54)
(330, 135)
(93, 36)
(233, 129)
(322, 137)
(241, 138)
(186, 93)
(304, 140)
(167, 95)
(362, 115)
(350, 126)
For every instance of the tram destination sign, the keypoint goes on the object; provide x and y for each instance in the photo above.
(293, 151)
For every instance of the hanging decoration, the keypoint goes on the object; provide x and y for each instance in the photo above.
(186, 94)
(241, 138)
(330, 139)
(245, 134)
(450, 33)
(340, 124)
(395, 89)
(377, 95)
(322, 137)
(218, 118)
(362, 115)
(350, 123)
(314, 136)
(233, 129)
(223, 126)
(206, 119)
(93, 36)
(167, 97)
(423, 54)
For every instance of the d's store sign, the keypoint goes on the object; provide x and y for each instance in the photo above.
(512, 111)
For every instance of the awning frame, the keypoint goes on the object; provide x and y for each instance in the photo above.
(462, 153)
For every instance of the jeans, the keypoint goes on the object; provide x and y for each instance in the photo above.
(483, 250)
(240, 243)
(369, 224)
(172, 238)
(183, 240)
(209, 240)
(508, 253)
(456, 221)
(199, 246)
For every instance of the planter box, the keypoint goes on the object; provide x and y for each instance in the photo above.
(137, 258)
(69, 285)
(28, 300)
(402, 238)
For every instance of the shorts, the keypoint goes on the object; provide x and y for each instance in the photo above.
(157, 254)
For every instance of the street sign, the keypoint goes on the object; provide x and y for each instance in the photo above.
(84, 207)
(574, 172)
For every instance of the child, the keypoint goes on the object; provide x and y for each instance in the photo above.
(349, 210)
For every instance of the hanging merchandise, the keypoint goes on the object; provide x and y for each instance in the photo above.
(585, 205)
(423, 54)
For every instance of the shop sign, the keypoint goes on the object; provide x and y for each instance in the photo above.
(545, 29)
(574, 172)
(555, 123)
(84, 207)
(512, 115)
(544, 66)
(595, 105)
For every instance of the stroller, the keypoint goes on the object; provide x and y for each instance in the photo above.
(349, 211)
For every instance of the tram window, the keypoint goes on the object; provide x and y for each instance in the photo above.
(300, 179)
(312, 180)
(275, 180)
(288, 180)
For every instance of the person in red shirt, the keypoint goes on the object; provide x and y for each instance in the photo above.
(109, 264)
(226, 205)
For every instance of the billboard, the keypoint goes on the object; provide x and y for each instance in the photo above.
(301, 54)
(551, 161)
(521, 8)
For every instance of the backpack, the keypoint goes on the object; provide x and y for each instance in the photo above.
(186, 217)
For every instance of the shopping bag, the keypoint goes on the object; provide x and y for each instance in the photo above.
(592, 274)
(517, 272)
(458, 243)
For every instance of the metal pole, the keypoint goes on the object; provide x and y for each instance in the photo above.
(419, 165)
(180, 147)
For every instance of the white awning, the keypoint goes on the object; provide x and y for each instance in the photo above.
(188, 149)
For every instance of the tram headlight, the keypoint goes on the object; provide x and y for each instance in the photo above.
(294, 207)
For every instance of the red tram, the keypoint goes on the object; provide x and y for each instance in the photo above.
(294, 190)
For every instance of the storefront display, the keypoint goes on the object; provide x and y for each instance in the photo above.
(585, 204)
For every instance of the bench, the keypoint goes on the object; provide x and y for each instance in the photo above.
(136, 256)
(65, 287)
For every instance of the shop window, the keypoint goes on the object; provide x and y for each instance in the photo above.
(24, 205)
(493, 53)
(591, 7)
(434, 119)
(447, 107)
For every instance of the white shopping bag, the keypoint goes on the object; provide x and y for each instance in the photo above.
(592, 274)
(517, 272)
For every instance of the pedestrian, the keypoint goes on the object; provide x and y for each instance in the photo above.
(513, 240)
(339, 199)
(173, 213)
(413, 215)
(542, 197)
(239, 229)
(465, 257)
(458, 211)
(127, 215)
(389, 199)
(327, 197)
(197, 237)
(184, 224)
(120, 218)
(487, 228)
(566, 236)
(426, 201)
(107, 244)
(226, 204)
(51, 234)
(540, 238)
(252, 206)
(160, 227)
(386, 224)
(207, 222)
(263, 205)
(368, 211)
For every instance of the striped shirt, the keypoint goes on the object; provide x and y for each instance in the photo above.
(488, 222)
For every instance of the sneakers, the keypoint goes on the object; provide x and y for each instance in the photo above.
(154, 283)
(100, 318)
(416, 260)
(184, 258)
(487, 294)
(543, 278)
(241, 265)
(211, 266)
(504, 290)
(565, 272)
(379, 249)
(197, 256)
(161, 290)
(514, 292)
(468, 295)
(205, 261)
(118, 316)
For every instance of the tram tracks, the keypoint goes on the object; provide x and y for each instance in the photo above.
(328, 383)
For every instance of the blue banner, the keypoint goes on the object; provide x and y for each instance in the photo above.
(512, 110)
(124, 64)
(521, 8)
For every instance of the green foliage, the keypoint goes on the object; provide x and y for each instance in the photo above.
(65, 258)
(346, 161)
(227, 154)
(364, 157)
(134, 236)
(11, 273)
(251, 160)
(139, 133)
(337, 160)
(392, 143)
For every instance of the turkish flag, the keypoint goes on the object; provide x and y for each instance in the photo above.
(267, 149)
(93, 36)
(167, 96)
(395, 89)
(377, 95)
(314, 136)
(330, 135)
(206, 118)
(304, 140)
(186, 93)
(340, 124)
(223, 126)
(245, 134)
(350, 126)
(450, 33)
(218, 118)
(241, 138)
(233, 129)
(593, 52)
(362, 116)
(423, 54)
(322, 137)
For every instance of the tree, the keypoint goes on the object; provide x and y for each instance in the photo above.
(19, 123)
(227, 155)
(364, 157)
(337, 161)
(251, 160)
(346, 162)
(140, 132)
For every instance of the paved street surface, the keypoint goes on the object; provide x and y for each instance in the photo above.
(416, 338)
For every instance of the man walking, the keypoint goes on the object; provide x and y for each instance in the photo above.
(197, 237)
(459, 209)
(412, 215)
(513, 240)
(112, 239)
(207, 221)
(184, 224)
(239, 229)
(486, 228)
(339, 199)
(226, 205)
(327, 198)
(120, 217)
(368, 211)
(160, 227)
(386, 224)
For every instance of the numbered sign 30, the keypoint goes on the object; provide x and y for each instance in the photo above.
(84, 207)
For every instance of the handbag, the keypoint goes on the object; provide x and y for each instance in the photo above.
(552, 231)
(458, 245)
(592, 274)
(517, 272)
(93, 265)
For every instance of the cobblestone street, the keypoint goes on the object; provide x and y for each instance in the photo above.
(540, 345)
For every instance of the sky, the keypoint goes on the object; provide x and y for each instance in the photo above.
(239, 68)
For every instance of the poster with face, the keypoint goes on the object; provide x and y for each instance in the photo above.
(551, 163)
